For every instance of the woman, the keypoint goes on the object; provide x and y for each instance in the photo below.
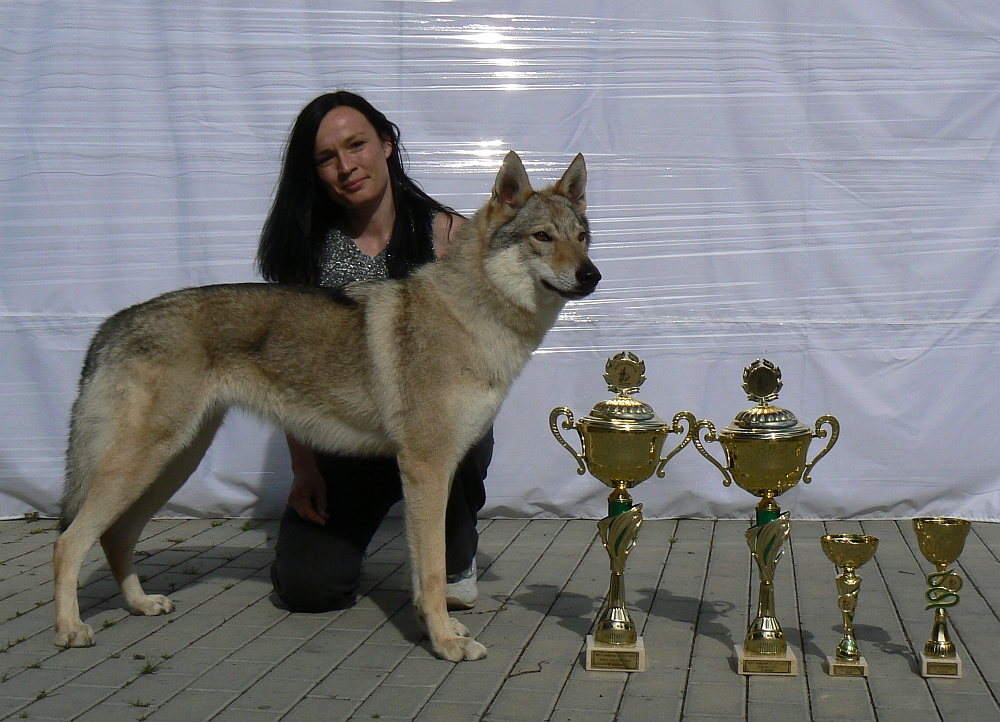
(345, 211)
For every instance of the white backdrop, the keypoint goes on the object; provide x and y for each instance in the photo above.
(818, 186)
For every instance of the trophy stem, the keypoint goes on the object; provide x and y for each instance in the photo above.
(765, 635)
(619, 500)
(618, 534)
(848, 584)
(765, 541)
(615, 625)
(940, 644)
(767, 510)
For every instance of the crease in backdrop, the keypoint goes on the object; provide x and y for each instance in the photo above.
(815, 185)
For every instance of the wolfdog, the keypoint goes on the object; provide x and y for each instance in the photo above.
(416, 367)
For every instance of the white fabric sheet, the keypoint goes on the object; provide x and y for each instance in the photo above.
(817, 185)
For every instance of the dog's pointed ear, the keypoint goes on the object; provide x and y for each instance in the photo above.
(512, 189)
(573, 184)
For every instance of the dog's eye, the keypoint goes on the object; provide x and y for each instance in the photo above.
(582, 237)
(543, 237)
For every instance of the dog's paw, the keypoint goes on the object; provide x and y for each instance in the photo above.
(77, 634)
(457, 627)
(456, 649)
(151, 605)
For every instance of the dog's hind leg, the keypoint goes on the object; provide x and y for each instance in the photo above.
(119, 541)
(109, 496)
(425, 487)
(122, 476)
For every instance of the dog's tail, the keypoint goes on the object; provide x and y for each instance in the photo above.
(87, 422)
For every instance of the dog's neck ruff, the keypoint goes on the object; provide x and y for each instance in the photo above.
(342, 262)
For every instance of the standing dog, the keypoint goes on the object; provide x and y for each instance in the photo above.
(417, 368)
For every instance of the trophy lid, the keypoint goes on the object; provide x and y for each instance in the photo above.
(761, 382)
(624, 374)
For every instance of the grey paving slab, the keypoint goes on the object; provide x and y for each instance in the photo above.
(479, 687)
(230, 675)
(724, 603)
(773, 712)
(906, 714)
(314, 709)
(376, 656)
(522, 704)
(649, 708)
(349, 684)
(192, 706)
(402, 702)
(272, 693)
(438, 711)
(264, 713)
(115, 713)
(420, 672)
(154, 689)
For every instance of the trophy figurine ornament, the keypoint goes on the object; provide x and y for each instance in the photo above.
(941, 541)
(848, 552)
(621, 442)
(765, 449)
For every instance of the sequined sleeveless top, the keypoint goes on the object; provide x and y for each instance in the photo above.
(342, 262)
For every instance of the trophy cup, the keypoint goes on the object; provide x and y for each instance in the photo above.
(621, 442)
(765, 449)
(848, 552)
(941, 542)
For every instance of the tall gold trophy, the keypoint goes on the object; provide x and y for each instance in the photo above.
(941, 542)
(848, 552)
(621, 443)
(765, 449)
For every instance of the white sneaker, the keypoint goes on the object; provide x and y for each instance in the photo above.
(462, 591)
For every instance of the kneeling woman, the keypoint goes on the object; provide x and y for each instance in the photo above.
(346, 211)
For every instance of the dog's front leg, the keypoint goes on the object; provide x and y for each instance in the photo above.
(426, 486)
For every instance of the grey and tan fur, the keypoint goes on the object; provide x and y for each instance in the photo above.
(416, 368)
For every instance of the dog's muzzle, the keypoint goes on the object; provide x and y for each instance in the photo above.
(587, 278)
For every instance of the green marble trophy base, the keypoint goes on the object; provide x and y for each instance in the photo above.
(615, 657)
(771, 665)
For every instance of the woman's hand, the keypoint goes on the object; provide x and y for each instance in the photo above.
(308, 494)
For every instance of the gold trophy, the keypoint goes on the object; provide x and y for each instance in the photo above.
(765, 449)
(848, 552)
(941, 542)
(622, 439)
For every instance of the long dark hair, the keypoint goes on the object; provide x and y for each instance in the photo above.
(303, 213)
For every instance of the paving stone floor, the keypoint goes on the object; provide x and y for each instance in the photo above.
(227, 654)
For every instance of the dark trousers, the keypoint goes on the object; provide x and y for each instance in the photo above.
(316, 567)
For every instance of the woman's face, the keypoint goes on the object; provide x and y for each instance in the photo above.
(351, 158)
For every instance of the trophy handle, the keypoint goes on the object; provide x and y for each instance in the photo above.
(567, 424)
(694, 434)
(676, 429)
(820, 433)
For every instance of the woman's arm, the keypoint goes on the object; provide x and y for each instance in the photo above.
(446, 227)
(308, 494)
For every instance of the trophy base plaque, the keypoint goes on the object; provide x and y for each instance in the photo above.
(948, 668)
(840, 668)
(772, 665)
(614, 658)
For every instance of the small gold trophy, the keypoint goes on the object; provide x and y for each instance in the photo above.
(848, 552)
(622, 439)
(765, 449)
(941, 542)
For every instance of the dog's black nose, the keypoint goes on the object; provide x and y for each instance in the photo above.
(588, 276)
